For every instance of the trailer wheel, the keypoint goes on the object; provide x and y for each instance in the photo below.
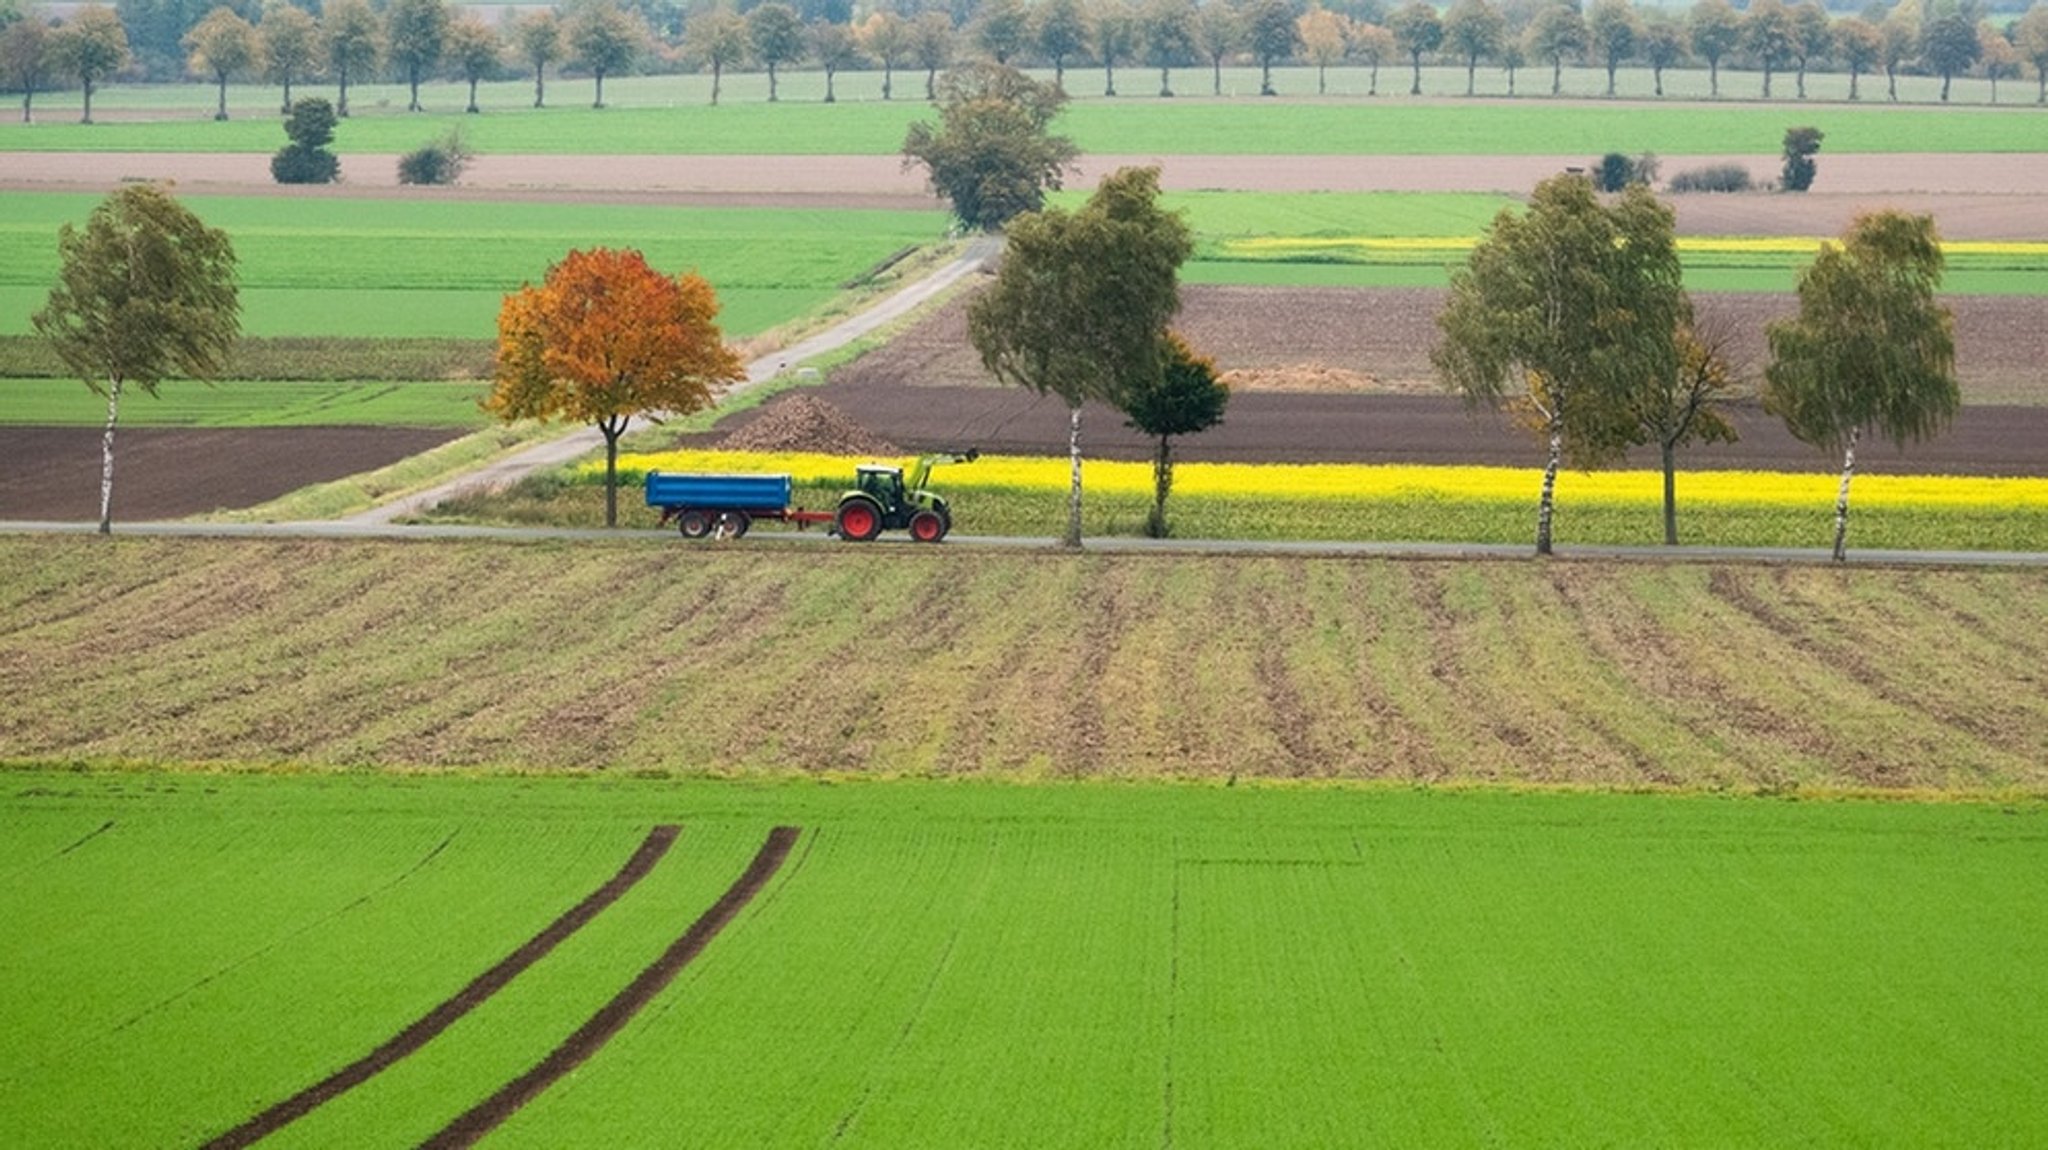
(693, 524)
(732, 524)
(859, 520)
(927, 527)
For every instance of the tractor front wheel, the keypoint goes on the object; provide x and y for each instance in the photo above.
(927, 527)
(859, 520)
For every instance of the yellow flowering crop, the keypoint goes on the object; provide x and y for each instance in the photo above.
(1352, 481)
(1272, 247)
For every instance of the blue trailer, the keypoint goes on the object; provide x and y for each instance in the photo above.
(704, 504)
(725, 505)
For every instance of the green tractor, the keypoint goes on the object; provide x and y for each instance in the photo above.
(883, 500)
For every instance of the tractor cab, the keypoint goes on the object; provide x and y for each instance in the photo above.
(883, 484)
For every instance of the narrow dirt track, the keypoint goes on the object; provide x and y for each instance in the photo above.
(481, 988)
(487, 1115)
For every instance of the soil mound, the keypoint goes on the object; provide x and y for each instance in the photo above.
(808, 424)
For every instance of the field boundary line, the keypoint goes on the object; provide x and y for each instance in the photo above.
(441, 1017)
(612, 1017)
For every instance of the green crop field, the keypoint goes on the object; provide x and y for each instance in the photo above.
(967, 964)
(241, 403)
(407, 268)
(649, 123)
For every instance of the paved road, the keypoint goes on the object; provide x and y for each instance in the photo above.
(1111, 546)
(573, 444)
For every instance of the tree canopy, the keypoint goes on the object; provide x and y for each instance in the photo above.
(144, 291)
(92, 46)
(992, 153)
(223, 46)
(291, 47)
(1081, 305)
(1568, 308)
(1183, 399)
(1871, 349)
(605, 39)
(604, 338)
(415, 31)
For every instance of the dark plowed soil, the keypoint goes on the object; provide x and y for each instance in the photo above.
(53, 473)
(467, 999)
(1386, 334)
(927, 389)
(1428, 429)
(613, 1016)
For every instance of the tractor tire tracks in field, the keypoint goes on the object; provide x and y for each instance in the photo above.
(612, 1017)
(441, 1017)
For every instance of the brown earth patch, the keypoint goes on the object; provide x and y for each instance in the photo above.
(1343, 375)
(423, 1029)
(53, 473)
(612, 1017)
(803, 422)
(1963, 190)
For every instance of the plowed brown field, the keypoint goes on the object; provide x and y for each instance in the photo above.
(53, 473)
(1329, 374)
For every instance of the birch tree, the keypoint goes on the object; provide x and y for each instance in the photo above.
(1566, 309)
(144, 291)
(1870, 349)
(1081, 305)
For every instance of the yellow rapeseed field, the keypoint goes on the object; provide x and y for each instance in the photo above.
(1273, 247)
(1365, 482)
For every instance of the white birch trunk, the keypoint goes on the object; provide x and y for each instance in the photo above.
(1073, 537)
(1549, 486)
(107, 460)
(1842, 498)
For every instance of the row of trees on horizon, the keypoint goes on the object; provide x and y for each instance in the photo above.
(413, 41)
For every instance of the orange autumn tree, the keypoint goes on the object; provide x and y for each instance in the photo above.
(603, 339)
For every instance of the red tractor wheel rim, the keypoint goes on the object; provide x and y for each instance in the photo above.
(858, 521)
(925, 528)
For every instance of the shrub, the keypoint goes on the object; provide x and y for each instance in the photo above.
(1800, 145)
(1616, 171)
(440, 162)
(1713, 178)
(306, 160)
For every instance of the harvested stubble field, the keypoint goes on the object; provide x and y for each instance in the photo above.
(946, 965)
(642, 654)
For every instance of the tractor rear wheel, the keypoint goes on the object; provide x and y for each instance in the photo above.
(859, 520)
(693, 524)
(927, 527)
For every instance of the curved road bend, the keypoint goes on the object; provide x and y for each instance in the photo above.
(1107, 546)
(572, 444)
